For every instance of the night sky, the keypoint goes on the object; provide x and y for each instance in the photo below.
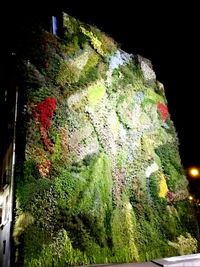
(164, 32)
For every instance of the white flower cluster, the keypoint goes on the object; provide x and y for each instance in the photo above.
(151, 169)
(118, 59)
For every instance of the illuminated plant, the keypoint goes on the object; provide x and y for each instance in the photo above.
(43, 113)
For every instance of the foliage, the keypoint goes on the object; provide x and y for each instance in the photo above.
(163, 187)
(22, 222)
(67, 73)
(99, 179)
(109, 46)
(124, 233)
(96, 43)
(172, 167)
(185, 245)
(90, 71)
(151, 242)
(43, 113)
(163, 111)
(188, 222)
(95, 94)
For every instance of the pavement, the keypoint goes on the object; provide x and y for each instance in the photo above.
(141, 264)
(177, 261)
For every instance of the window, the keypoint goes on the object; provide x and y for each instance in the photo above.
(54, 25)
(1, 212)
(4, 206)
(6, 209)
(1, 208)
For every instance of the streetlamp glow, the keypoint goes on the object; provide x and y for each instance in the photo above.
(190, 198)
(194, 172)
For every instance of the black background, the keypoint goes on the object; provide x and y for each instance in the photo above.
(166, 32)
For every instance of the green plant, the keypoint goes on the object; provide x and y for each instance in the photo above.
(171, 165)
(100, 180)
(185, 245)
(22, 222)
(67, 74)
(124, 233)
(96, 43)
(96, 93)
(90, 71)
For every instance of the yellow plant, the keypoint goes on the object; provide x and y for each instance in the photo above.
(109, 46)
(96, 43)
(163, 187)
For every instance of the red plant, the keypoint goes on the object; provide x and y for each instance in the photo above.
(43, 112)
(162, 108)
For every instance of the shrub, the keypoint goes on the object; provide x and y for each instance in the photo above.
(22, 222)
(185, 245)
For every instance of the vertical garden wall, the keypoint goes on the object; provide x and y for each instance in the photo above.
(98, 175)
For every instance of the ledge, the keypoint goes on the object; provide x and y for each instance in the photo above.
(180, 261)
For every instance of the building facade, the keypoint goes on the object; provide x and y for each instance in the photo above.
(8, 111)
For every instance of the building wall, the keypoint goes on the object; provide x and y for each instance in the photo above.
(7, 110)
(100, 178)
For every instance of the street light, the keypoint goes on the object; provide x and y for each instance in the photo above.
(190, 198)
(194, 172)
